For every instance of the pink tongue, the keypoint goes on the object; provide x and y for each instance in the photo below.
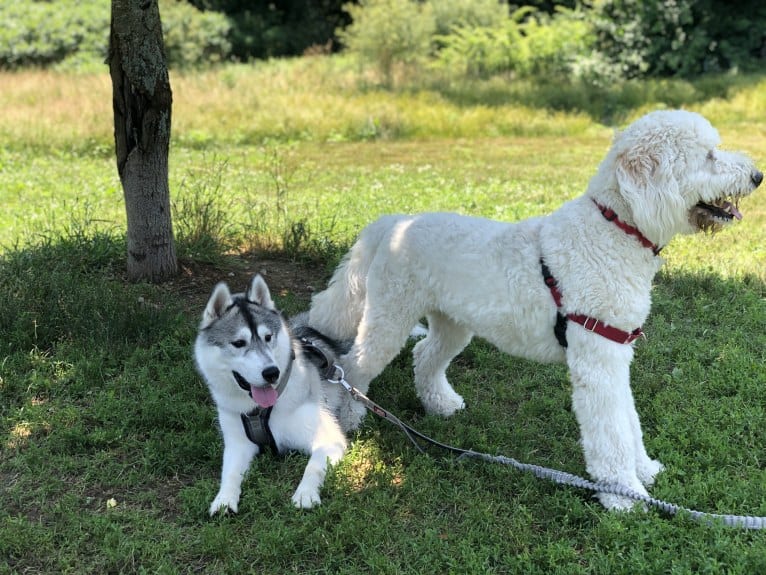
(733, 210)
(263, 396)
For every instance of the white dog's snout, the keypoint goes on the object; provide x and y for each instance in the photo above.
(756, 177)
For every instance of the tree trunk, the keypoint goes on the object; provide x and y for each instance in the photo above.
(142, 102)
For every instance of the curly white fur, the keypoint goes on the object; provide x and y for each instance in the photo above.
(472, 276)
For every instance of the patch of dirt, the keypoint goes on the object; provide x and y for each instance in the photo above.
(284, 276)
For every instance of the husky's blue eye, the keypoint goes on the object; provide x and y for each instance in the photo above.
(239, 343)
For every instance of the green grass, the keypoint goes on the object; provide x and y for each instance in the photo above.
(109, 454)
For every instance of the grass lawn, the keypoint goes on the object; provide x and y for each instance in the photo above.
(109, 452)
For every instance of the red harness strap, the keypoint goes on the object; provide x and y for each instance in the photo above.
(611, 216)
(589, 323)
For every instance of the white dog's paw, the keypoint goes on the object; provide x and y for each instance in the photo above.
(618, 503)
(445, 403)
(623, 503)
(647, 471)
(224, 503)
(304, 498)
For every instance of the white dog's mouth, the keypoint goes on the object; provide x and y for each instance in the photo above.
(712, 216)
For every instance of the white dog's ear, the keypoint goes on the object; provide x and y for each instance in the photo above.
(649, 187)
(259, 292)
(218, 303)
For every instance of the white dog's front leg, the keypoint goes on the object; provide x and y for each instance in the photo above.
(238, 453)
(603, 404)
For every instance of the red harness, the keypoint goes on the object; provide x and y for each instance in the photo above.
(591, 323)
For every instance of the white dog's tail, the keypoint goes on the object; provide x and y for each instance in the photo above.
(337, 311)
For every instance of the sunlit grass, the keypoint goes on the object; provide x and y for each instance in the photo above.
(109, 451)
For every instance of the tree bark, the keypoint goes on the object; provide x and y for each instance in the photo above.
(142, 102)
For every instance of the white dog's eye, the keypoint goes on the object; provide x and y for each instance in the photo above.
(267, 338)
(711, 155)
(239, 343)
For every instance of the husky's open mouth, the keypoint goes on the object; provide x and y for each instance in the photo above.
(241, 381)
(265, 396)
(712, 216)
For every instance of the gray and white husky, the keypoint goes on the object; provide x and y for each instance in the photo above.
(267, 390)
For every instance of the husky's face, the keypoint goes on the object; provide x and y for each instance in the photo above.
(245, 340)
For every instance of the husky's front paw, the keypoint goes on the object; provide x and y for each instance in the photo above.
(306, 498)
(224, 504)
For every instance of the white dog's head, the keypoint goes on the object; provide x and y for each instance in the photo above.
(673, 178)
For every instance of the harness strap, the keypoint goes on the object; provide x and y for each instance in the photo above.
(589, 323)
(256, 424)
(560, 329)
(611, 216)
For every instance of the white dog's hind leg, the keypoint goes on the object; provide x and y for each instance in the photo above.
(432, 355)
(603, 404)
(383, 332)
(238, 453)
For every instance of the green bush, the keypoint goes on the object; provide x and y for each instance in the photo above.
(193, 38)
(44, 33)
(527, 44)
(679, 37)
(76, 33)
(387, 32)
(452, 14)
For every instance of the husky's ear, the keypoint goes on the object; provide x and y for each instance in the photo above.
(258, 292)
(218, 303)
(648, 185)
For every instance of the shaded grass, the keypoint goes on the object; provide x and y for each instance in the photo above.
(89, 416)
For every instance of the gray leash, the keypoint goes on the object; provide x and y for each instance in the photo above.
(560, 477)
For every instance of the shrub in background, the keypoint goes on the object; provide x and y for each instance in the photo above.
(193, 38)
(526, 44)
(278, 27)
(680, 37)
(452, 14)
(75, 33)
(387, 32)
(44, 33)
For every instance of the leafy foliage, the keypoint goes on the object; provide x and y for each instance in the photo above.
(70, 33)
(43, 33)
(278, 27)
(193, 38)
(387, 32)
(525, 44)
(679, 37)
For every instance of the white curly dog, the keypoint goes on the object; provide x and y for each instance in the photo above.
(572, 286)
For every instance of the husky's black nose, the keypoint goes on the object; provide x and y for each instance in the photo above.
(757, 177)
(270, 374)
